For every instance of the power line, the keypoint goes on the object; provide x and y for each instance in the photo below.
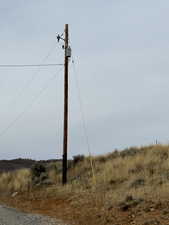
(83, 122)
(32, 78)
(20, 115)
(81, 108)
(59, 118)
(31, 65)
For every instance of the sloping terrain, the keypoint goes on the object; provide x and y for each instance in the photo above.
(120, 188)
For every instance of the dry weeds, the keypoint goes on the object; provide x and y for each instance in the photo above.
(142, 173)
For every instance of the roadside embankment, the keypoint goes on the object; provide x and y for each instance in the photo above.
(122, 187)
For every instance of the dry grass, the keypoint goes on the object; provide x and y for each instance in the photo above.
(135, 170)
(19, 180)
(139, 172)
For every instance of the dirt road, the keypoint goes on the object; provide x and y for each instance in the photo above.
(9, 216)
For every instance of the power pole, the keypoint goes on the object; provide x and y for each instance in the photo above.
(66, 86)
(65, 125)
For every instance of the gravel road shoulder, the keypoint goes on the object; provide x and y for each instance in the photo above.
(10, 216)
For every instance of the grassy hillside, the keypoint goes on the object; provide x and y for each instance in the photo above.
(125, 187)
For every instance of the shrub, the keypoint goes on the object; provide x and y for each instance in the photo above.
(77, 159)
(37, 169)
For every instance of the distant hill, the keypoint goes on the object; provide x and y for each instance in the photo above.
(14, 164)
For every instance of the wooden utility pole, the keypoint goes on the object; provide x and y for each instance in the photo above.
(66, 85)
(65, 125)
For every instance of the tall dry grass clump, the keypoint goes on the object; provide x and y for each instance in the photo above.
(19, 180)
(40, 175)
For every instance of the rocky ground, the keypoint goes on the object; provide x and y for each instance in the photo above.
(132, 211)
(9, 216)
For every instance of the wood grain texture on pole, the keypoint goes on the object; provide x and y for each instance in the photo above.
(65, 125)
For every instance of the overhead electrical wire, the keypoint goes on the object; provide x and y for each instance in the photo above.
(20, 115)
(81, 108)
(83, 121)
(85, 130)
(31, 65)
(84, 125)
(59, 118)
(31, 79)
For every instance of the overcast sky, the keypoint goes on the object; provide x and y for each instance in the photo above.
(121, 54)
